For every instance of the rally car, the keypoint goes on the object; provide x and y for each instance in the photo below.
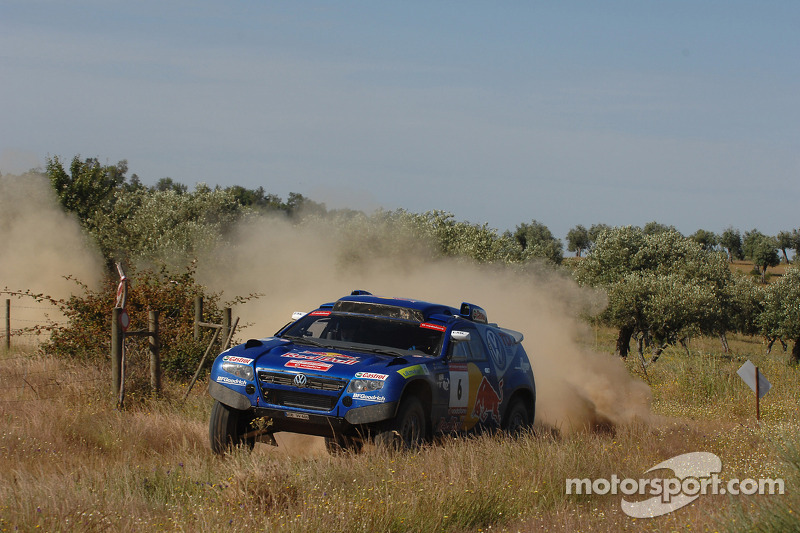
(390, 370)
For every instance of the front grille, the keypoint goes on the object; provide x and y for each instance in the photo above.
(325, 393)
(314, 382)
(304, 400)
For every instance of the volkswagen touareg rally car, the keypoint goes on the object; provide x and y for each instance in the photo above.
(393, 370)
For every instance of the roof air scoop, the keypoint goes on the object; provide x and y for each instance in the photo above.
(359, 292)
(474, 313)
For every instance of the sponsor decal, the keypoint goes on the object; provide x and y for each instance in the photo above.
(478, 315)
(319, 313)
(443, 382)
(450, 425)
(487, 401)
(235, 359)
(231, 381)
(298, 416)
(411, 371)
(327, 357)
(497, 350)
(437, 327)
(372, 375)
(308, 365)
(367, 397)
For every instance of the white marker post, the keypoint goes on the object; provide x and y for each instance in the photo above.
(757, 382)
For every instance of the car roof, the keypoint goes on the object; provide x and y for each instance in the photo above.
(427, 309)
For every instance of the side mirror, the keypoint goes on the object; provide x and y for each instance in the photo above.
(459, 335)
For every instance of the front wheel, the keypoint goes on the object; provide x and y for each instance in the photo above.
(340, 444)
(227, 427)
(407, 429)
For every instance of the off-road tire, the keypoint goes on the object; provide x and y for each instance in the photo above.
(518, 418)
(407, 429)
(227, 428)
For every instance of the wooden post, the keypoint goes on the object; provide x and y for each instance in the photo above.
(198, 316)
(226, 325)
(758, 398)
(155, 353)
(8, 323)
(116, 352)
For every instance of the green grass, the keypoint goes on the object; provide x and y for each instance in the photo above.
(75, 463)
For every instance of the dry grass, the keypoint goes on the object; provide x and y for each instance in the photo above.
(69, 461)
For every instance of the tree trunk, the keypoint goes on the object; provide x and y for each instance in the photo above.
(795, 353)
(624, 341)
(724, 339)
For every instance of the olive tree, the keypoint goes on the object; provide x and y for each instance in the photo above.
(731, 242)
(781, 315)
(537, 241)
(761, 250)
(662, 287)
(578, 240)
(785, 240)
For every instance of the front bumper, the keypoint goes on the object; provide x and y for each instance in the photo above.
(339, 420)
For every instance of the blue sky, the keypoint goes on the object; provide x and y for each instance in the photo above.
(500, 112)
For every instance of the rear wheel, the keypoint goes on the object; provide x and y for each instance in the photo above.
(227, 427)
(407, 429)
(518, 418)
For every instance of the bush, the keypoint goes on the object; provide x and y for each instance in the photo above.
(86, 335)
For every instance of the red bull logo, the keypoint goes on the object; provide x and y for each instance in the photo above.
(487, 401)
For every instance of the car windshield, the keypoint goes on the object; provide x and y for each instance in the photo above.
(367, 332)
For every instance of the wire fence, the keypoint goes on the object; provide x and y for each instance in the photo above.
(28, 319)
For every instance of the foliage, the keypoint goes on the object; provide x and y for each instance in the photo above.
(762, 250)
(88, 187)
(85, 335)
(785, 240)
(661, 286)
(537, 241)
(707, 239)
(731, 242)
(578, 240)
(165, 226)
(781, 316)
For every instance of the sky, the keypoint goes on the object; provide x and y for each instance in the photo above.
(569, 112)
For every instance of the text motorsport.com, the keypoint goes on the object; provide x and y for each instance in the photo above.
(695, 474)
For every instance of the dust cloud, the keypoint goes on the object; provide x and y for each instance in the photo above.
(40, 245)
(297, 268)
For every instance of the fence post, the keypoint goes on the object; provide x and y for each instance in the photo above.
(8, 323)
(116, 351)
(198, 316)
(226, 325)
(155, 352)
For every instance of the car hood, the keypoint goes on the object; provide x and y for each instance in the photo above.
(281, 355)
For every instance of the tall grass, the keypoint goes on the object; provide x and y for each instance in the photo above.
(72, 462)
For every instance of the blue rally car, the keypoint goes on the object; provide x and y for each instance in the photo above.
(393, 370)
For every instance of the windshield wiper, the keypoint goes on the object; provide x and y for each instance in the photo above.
(303, 340)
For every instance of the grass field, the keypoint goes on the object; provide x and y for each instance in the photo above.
(70, 461)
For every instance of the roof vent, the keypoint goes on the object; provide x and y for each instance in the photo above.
(359, 292)
(474, 313)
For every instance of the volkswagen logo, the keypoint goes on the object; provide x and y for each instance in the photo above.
(300, 381)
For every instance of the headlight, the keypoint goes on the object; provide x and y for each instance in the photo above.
(364, 385)
(242, 371)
